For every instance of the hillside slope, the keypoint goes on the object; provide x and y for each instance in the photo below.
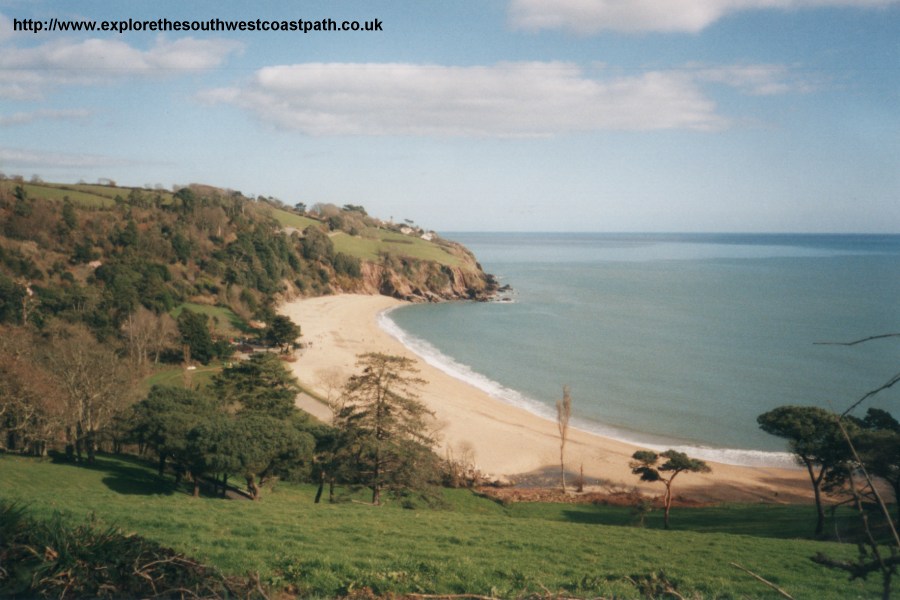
(95, 253)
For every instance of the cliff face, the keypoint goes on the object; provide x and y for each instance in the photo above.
(424, 281)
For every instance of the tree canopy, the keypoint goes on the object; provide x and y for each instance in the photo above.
(646, 464)
(815, 439)
(385, 440)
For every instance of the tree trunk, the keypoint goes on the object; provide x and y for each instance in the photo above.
(667, 501)
(321, 487)
(562, 466)
(252, 487)
(331, 490)
(91, 446)
(224, 484)
(161, 469)
(196, 485)
(376, 495)
(817, 492)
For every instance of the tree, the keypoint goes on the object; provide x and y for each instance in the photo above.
(146, 335)
(195, 335)
(31, 404)
(267, 445)
(316, 245)
(261, 384)
(213, 449)
(563, 413)
(878, 444)
(283, 333)
(95, 383)
(815, 439)
(644, 464)
(164, 420)
(385, 440)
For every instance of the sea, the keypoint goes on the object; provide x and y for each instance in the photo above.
(673, 340)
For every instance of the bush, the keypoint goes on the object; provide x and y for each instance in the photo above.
(51, 559)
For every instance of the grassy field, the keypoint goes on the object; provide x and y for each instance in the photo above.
(222, 320)
(472, 545)
(289, 219)
(84, 194)
(175, 377)
(393, 243)
(370, 248)
(56, 192)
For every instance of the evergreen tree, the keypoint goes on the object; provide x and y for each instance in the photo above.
(195, 335)
(644, 463)
(384, 430)
(815, 439)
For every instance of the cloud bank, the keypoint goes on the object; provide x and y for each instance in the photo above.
(594, 16)
(21, 158)
(28, 72)
(523, 99)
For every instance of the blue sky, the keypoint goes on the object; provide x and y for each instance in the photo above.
(563, 115)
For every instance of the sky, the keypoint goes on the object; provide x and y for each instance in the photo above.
(480, 115)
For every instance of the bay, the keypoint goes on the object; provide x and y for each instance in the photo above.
(674, 340)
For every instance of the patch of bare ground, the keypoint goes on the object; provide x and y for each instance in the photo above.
(608, 497)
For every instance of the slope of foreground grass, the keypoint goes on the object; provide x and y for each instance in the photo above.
(473, 545)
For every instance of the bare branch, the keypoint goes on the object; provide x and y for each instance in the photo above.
(762, 580)
(890, 383)
(868, 339)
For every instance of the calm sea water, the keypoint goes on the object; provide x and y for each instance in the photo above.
(673, 340)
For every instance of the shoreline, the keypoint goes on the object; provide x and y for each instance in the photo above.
(506, 441)
(434, 357)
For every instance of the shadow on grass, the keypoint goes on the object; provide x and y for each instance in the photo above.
(791, 521)
(127, 475)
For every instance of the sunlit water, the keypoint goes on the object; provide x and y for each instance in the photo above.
(673, 340)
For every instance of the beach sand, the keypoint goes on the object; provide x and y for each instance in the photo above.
(505, 441)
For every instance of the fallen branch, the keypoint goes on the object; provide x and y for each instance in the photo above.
(762, 580)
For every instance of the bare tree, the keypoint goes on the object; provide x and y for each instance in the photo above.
(95, 383)
(30, 403)
(563, 414)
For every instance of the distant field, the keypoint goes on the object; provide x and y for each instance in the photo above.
(472, 545)
(177, 377)
(289, 219)
(222, 320)
(393, 243)
(85, 194)
(54, 192)
(371, 248)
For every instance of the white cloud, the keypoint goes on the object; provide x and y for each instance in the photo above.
(756, 80)
(27, 72)
(505, 100)
(6, 27)
(22, 118)
(593, 16)
(19, 158)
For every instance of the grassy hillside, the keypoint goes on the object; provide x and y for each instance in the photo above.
(473, 545)
(376, 241)
(85, 196)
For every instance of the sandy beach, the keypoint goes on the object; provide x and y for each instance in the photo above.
(504, 440)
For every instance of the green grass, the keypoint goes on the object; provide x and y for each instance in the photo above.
(393, 243)
(222, 320)
(289, 219)
(175, 377)
(84, 194)
(59, 193)
(370, 248)
(473, 545)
